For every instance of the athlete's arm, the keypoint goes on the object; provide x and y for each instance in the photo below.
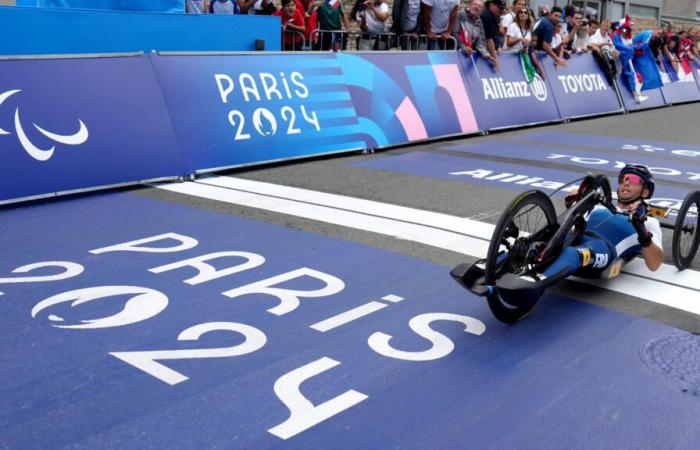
(649, 238)
(653, 256)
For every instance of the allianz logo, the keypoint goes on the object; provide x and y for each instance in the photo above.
(587, 82)
(497, 89)
(42, 154)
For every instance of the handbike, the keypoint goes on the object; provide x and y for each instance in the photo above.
(529, 236)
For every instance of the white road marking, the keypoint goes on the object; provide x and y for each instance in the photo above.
(667, 286)
(348, 316)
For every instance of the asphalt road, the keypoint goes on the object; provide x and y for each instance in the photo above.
(309, 305)
(341, 175)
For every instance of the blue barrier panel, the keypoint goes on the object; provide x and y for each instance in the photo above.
(504, 99)
(171, 6)
(232, 110)
(580, 88)
(43, 31)
(71, 124)
(654, 97)
(681, 91)
(405, 97)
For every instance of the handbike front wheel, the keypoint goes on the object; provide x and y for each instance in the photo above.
(686, 233)
(528, 219)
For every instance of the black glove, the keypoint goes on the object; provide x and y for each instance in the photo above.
(638, 217)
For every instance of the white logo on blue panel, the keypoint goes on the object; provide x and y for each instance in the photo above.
(80, 137)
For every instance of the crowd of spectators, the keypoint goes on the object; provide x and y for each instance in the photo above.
(489, 28)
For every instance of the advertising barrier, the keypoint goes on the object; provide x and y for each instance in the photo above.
(405, 97)
(653, 97)
(73, 124)
(505, 99)
(580, 88)
(233, 110)
(681, 91)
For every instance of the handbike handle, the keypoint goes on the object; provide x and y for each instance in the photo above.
(583, 206)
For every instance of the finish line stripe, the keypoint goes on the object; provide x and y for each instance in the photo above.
(667, 286)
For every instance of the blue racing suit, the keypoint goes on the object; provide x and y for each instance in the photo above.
(608, 237)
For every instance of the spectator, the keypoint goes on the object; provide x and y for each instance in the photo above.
(510, 17)
(263, 8)
(685, 48)
(246, 6)
(656, 45)
(196, 6)
(406, 20)
(491, 18)
(372, 15)
(331, 20)
(603, 51)
(581, 41)
(472, 31)
(542, 12)
(558, 39)
(544, 34)
(568, 15)
(568, 33)
(293, 25)
(695, 35)
(592, 27)
(439, 18)
(670, 29)
(224, 7)
(519, 32)
(670, 56)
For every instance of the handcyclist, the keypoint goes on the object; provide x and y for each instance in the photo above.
(608, 236)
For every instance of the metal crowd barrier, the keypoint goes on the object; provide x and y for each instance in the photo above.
(298, 41)
(338, 40)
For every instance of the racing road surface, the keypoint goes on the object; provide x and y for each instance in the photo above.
(309, 305)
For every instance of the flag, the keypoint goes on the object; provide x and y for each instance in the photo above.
(334, 3)
(464, 36)
(528, 67)
(684, 52)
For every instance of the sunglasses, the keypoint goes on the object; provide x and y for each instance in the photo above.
(632, 179)
(523, 12)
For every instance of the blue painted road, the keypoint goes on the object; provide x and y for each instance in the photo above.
(513, 176)
(615, 143)
(429, 368)
(663, 167)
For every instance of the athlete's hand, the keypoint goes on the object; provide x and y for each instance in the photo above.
(638, 216)
(572, 198)
(575, 196)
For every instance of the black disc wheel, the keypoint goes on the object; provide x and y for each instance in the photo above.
(686, 233)
(528, 220)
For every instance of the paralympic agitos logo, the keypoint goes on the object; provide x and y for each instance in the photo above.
(39, 154)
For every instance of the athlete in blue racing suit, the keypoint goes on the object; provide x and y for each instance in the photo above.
(610, 236)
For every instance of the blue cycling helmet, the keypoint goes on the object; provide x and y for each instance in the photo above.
(642, 171)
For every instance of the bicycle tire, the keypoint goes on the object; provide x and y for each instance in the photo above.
(501, 309)
(683, 261)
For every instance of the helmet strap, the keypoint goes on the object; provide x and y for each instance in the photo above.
(629, 202)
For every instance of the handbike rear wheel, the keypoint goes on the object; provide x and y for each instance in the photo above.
(529, 218)
(686, 233)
